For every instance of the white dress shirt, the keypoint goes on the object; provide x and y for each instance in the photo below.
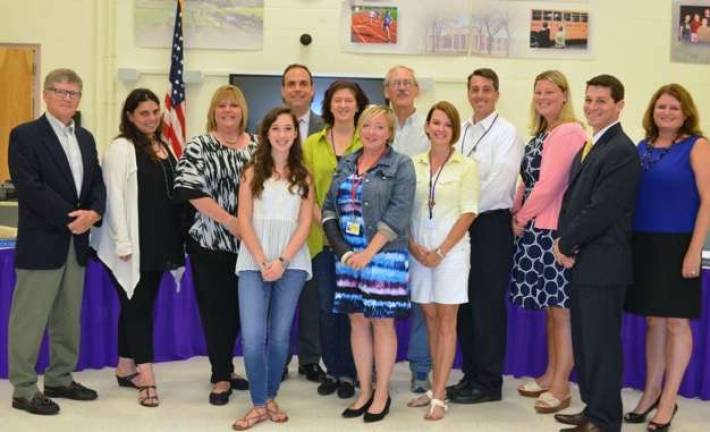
(303, 123)
(67, 138)
(494, 143)
(410, 138)
(599, 134)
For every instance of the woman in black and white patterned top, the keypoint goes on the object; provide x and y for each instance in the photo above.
(208, 176)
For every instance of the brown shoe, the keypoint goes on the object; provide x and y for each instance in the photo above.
(572, 419)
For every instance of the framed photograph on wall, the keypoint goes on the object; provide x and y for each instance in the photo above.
(690, 31)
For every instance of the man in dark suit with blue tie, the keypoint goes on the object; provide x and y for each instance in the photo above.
(595, 242)
(61, 195)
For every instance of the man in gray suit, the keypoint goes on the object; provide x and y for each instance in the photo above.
(297, 93)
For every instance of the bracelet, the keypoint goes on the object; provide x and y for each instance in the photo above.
(345, 256)
(441, 254)
(284, 261)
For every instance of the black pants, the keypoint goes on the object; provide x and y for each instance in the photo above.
(216, 288)
(482, 322)
(135, 321)
(309, 349)
(596, 315)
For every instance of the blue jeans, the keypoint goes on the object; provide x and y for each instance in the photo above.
(334, 327)
(418, 349)
(266, 310)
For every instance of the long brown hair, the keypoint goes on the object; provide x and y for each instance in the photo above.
(263, 164)
(128, 130)
(691, 125)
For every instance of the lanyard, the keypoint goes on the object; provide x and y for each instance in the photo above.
(360, 177)
(475, 145)
(433, 181)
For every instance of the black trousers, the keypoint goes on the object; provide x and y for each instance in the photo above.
(309, 349)
(482, 322)
(135, 321)
(596, 316)
(216, 291)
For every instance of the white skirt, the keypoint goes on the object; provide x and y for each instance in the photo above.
(446, 283)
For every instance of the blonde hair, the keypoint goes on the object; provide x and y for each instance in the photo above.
(233, 94)
(373, 111)
(537, 122)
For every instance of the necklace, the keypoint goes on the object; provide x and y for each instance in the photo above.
(332, 143)
(168, 178)
(651, 155)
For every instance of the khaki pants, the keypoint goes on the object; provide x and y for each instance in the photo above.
(45, 298)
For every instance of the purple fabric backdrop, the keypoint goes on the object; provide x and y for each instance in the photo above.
(178, 333)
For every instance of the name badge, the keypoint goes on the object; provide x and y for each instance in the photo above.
(352, 228)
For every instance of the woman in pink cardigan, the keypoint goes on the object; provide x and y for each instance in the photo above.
(539, 282)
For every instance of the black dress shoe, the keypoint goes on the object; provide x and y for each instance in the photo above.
(239, 383)
(587, 426)
(328, 386)
(352, 413)
(346, 390)
(375, 417)
(473, 395)
(74, 391)
(220, 398)
(39, 404)
(455, 388)
(572, 419)
(312, 371)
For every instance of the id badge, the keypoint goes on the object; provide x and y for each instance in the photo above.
(352, 228)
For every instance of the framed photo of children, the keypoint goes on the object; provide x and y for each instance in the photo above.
(690, 31)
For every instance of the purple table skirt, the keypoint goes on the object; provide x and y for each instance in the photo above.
(178, 332)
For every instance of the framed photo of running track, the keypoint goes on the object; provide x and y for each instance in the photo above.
(373, 25)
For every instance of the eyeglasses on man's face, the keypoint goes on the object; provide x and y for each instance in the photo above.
(406, 83)
(64, 94)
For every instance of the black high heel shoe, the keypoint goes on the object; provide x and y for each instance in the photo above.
(661, 427)
(371, 417)
(633, 417)
(352, 413)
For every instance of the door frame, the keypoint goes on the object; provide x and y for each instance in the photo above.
(36, 82)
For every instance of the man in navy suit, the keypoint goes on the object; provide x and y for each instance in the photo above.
(61, 195)
(595, 242)
(297, 93)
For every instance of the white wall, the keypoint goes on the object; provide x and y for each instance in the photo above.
(95, 37)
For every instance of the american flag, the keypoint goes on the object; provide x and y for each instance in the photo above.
(174, 120)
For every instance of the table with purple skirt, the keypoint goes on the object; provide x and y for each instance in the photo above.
(178, 332)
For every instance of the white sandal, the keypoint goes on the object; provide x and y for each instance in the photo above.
(421, 400)
(436, 403)
(531, 389)
(548, 403)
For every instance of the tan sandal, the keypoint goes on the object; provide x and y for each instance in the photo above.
(436, 403)
(548, 403)
(421, 400)
(253, 416)
(147, 400)
(276, 414)
(531, 389)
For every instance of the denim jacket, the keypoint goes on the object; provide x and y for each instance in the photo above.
(387, 193)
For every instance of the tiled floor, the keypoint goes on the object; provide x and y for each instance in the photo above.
(183, 389)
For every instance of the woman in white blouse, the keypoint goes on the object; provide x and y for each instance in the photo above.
(275, 210)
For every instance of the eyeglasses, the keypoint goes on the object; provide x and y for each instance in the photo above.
(406, 83)
(71, 94)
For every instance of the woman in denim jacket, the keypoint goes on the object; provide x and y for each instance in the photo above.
(366, 218)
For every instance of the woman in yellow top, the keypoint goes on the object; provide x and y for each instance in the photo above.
(445, 205)
(342, 104)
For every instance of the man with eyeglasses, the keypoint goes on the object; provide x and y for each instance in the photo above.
(401, 89)
(61, 195)
(495, 145)
(297, 94)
